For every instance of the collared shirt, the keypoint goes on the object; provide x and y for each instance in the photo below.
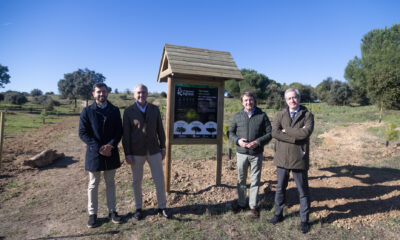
(295, 112)
(142, 109)
(251, 113)
(102, 107)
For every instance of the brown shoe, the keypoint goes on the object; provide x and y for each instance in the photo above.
(255, 212)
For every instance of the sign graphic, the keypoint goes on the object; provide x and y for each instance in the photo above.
(195, 111)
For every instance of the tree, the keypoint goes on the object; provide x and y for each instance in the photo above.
(232, 87)
(67, 87)
(36, 92)
(181, 129)
(79, 84)
(323, 89)
(306, 91)
(339, 93)
(4, 76)
(252, 82)
(116, 91)
(355, 76)
(380, 51)
(196, 129)
(274, 95)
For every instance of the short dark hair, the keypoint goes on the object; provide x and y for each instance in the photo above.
(249, 94)
(99, 85)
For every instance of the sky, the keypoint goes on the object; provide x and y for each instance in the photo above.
(288, 41)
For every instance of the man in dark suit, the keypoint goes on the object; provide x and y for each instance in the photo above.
(100, 127)
(292, 128)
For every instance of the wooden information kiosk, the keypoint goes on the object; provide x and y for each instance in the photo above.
(195, 99)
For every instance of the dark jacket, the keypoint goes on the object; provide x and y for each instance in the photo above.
(99, 127)
(143, 132)
(257, 127)
(292, 148)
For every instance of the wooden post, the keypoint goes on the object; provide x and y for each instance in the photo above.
(1, 135)
(220, 126)
(169, 132)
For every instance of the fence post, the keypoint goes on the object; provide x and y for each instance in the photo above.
(2, 115)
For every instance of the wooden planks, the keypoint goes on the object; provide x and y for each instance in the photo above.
(197, 62)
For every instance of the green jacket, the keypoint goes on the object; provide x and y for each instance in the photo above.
(257, 127)
(292, 148)
(142, 135)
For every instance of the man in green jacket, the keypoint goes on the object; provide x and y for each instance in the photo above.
(250, 130)
(292, 128)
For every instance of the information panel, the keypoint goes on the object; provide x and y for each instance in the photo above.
(195, 111)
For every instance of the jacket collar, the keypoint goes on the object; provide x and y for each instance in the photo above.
(301, 111)
(94, 106)
(255, 111)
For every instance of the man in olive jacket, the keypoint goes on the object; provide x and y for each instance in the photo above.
(292, 128)
(100, 127)
(144, 140)
(250, 130)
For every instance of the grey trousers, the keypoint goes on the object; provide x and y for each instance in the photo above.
(243, 162)
(157, 173)
(301, 179)
(93, 189)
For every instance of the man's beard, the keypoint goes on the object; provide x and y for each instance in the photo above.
(102, 99)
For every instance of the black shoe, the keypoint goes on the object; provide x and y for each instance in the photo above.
(255, 212)
(114, 217)
(236, 208)
(276, 219)
(138, 214)
(304, 227)
(163, 212)
(92, 223)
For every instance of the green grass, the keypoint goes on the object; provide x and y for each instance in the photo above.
(216, 221)
(18, 123)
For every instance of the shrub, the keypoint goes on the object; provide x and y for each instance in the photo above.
(36, 92)
(15, 98)
(123, 97)
(47, 102)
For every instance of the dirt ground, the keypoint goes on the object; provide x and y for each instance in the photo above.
(346, 187)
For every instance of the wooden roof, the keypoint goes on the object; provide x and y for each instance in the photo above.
(186, 61)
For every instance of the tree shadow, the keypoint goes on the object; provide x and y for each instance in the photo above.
(361, 208)
(60, 163)
(367, 175)
(368, 197)
(265, 202)
(83, 235)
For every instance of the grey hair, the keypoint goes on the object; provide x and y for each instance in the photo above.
(140, 86)
(293, 90)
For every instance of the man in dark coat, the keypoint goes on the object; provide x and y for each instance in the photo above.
(292, 128)
(100, 127)
(250, 130)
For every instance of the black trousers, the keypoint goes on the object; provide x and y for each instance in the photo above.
(301, 179)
